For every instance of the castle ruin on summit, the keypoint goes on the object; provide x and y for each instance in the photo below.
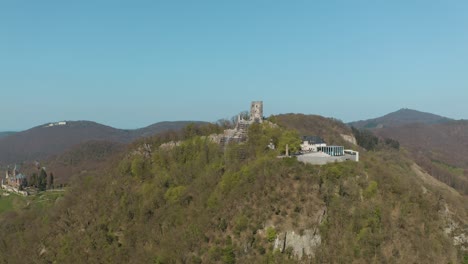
(239, 133)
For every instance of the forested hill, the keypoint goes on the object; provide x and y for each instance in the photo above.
(441, 149)
(4, 134)
(80, 160)
(196, 202)
(41, 142)
(436, 143)
(401, 117)
(331, 130)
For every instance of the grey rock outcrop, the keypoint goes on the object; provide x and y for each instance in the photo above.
(454, 228)
(303, 244)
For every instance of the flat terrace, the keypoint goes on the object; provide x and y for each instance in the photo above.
(320, 158)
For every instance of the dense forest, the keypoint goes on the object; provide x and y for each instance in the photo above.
(440, 149)
(186, 199)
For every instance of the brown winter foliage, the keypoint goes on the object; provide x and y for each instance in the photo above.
(201, 203)
(441, 149)
(41, 142)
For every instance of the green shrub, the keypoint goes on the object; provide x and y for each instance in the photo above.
(174, 194)
(271, 234)
(214, 253)
(241, 224)
(371, 190)
(228, 255)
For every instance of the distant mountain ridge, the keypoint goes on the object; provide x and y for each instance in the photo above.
(6, 133)
(438, 144)
(401, 117)
(160, 127)
(50, 139)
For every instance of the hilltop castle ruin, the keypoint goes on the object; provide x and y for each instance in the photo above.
(239, 133)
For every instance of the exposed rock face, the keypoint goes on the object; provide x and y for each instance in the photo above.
(457, 231)
(350, 139)
(143, 150)
(301, 244)
(170, 145)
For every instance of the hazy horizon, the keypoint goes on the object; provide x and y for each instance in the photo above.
(128, 65)
(211, 121)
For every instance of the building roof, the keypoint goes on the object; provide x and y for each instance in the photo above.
(313, 139)
(20, 176)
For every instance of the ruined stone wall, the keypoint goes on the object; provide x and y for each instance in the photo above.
(256, 111)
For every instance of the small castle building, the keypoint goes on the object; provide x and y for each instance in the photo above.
(14, 179)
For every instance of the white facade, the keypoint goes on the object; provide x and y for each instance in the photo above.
(307, 147)
(62, 123)
(353, 153)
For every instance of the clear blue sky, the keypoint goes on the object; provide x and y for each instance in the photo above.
(132, 63)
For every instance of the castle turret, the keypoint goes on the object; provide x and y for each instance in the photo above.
(256, 111)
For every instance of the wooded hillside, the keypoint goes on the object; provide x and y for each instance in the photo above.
(201, 203)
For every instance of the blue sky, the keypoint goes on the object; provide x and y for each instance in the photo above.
(132, 63)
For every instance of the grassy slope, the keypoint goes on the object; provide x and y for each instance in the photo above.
(6, 203)
(196, 203)
(10, 202)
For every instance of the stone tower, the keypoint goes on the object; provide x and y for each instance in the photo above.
(256, 111)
